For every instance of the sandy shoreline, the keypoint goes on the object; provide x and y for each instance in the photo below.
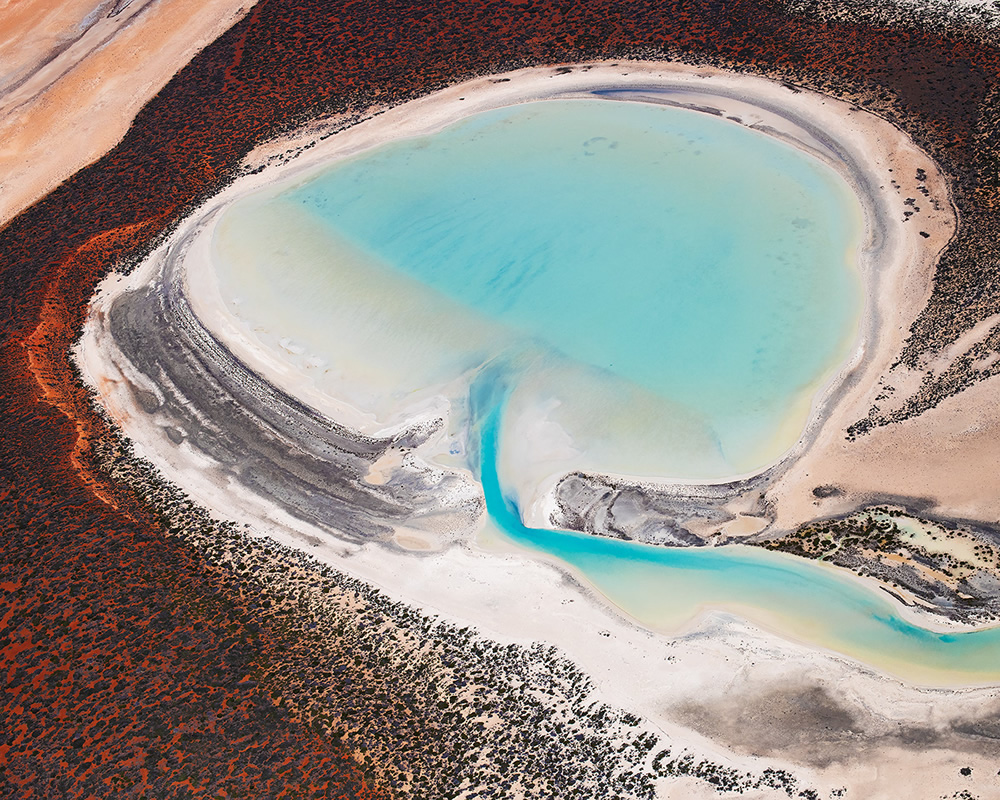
(720, 662)
(896, 262)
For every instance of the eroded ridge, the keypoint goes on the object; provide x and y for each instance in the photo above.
(200, 396)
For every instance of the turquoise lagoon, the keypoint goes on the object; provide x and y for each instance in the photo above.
(670, 287)
(660, 293)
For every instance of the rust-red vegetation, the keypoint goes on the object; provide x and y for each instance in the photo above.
(126, 666)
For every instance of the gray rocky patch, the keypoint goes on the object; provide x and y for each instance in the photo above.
(672, 515)
(265, 440)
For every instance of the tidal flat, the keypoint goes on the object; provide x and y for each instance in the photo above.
(291, 462)
(149, 649)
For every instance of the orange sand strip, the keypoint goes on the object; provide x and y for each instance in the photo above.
(74, 78)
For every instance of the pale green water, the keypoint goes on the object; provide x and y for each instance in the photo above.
(660, 291)
(662, 251)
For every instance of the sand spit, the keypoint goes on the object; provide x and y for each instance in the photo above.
(722, 688)
(75, 75)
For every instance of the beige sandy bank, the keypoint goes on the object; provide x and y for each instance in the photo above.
(896, 265)
(74, 74)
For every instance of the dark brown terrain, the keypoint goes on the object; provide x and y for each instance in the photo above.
(130, 665)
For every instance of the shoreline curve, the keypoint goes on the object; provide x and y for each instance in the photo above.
(139, 406)
(888, 269)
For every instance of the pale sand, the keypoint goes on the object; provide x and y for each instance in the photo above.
(692, 684)
(74, 79)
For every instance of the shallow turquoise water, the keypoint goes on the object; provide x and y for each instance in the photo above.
(664, 252)
(658, 282)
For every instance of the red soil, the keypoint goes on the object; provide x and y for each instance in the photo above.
(124, 661)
